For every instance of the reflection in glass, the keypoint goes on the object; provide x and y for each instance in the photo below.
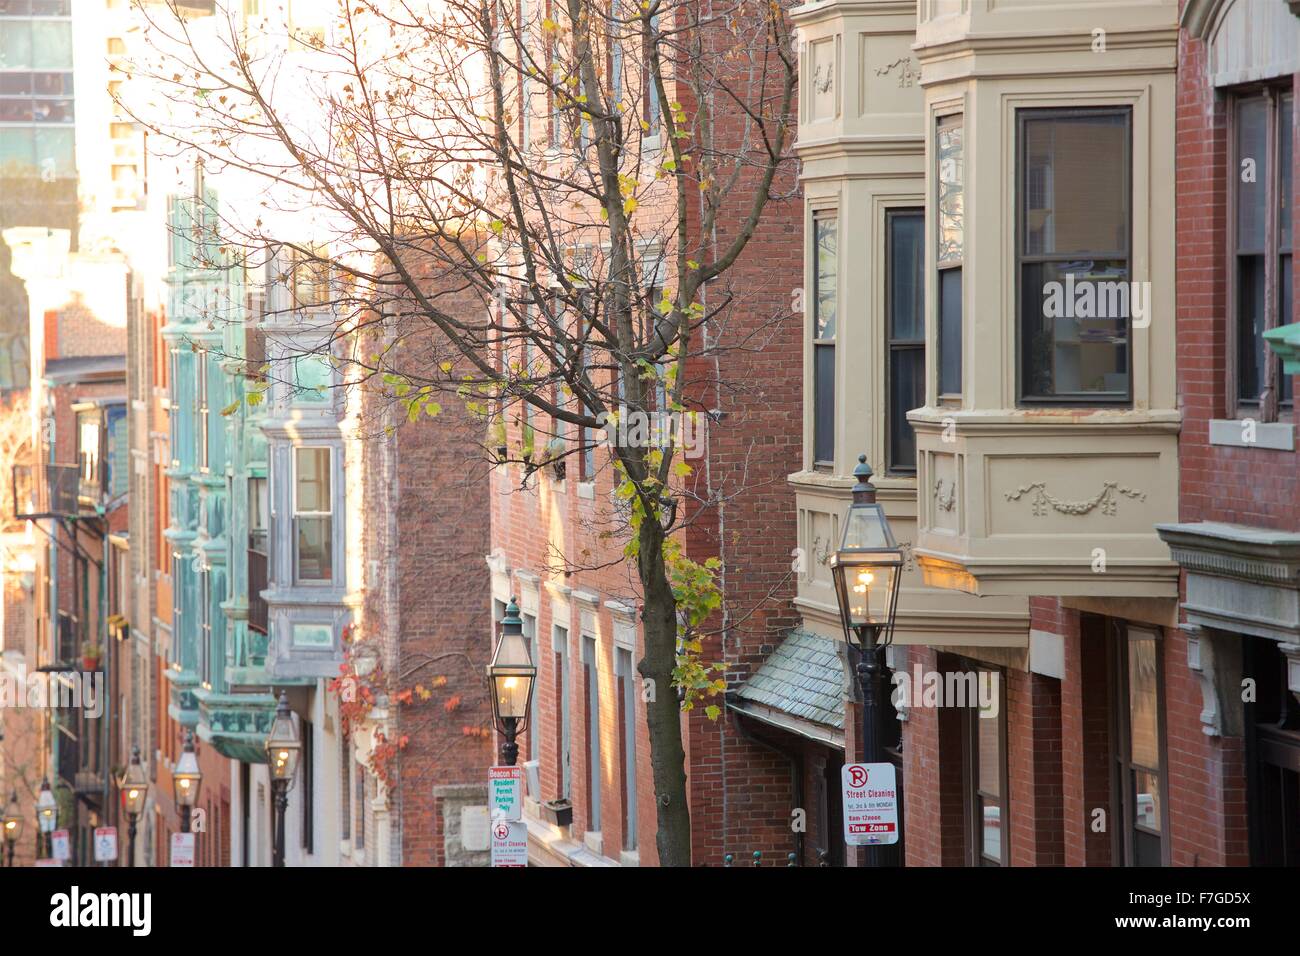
(950, 201)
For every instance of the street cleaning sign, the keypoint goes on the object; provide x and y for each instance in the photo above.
(509, 842)
(182, 849)
(505, 792)
(870, 793)
(106, 844)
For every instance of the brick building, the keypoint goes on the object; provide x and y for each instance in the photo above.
(558, 528)
(1118, 511)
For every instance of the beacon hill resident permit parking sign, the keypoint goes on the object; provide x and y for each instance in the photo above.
(870, 804)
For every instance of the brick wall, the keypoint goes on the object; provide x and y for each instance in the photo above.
(426, 501)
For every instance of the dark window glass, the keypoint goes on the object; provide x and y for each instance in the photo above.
(825, 308)
(1261, 168)
(950, 332)
(824, 404)
(1250, 327)
(906, 338)
(1076, 298)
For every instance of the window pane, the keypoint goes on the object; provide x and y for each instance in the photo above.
(15, 44)
(990, 753)
(1250, 327)
(1144, 718)
(51, 45)
(824, 403)
(314, 549)
(906, 391)
(826, 239)
(906, 232)
(1286, 173)
(1075, 177)
(55, 152)
(951, 202)
(1284, 300)
(313, 480)
(950, 332)
(991, 829)
(1252, 173)
(1146, 799)
(1074, 328)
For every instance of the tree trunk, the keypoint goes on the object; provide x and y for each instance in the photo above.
(663, 714)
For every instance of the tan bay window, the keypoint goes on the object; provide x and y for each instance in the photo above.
(1073, 253)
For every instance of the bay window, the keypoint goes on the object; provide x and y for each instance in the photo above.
(1261, 177)
(1073, 259)
(313, 520)
(825, 302)
(950, 207)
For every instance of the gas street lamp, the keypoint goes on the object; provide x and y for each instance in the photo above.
(867, 569)
(511, 674)
(283, 747)
(47, 817)
(12, 823)
(186, 780)
(135, 790)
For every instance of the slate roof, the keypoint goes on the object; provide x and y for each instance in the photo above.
(803, 677)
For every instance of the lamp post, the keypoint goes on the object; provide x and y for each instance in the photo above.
(511, 673)
(47, 818)
(12, 822)
(186, 780)
(135, 790)
(283, 748)
(866, 569)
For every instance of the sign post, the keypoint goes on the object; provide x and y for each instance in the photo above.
(870, 793)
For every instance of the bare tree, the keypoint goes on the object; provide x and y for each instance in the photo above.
(589, 170)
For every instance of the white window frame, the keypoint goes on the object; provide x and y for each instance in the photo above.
(295, 514)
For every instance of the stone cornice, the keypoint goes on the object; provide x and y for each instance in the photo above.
(1257, 555)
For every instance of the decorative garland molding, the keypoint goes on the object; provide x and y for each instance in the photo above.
(1107, 499)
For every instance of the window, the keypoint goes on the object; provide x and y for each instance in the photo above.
(1073, 260)
(359, 808)
(313, 522)
(557, 78)
(308, 798)
(591, 678)
(201, 409)
(984, 768)
(1138, 681)
(525, 81)
(950, 205)
(649, 92)
(825, 304)
(258, 511)
(311, 277)
(534, 732)
(625, 671)
(1262, 182)
(905, 337)
(560, 645)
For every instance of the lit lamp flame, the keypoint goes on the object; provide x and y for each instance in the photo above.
(865, 580)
